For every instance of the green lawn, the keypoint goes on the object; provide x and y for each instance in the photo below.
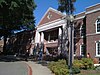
(89, 72)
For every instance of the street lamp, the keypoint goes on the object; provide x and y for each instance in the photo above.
(70, 19)
(68, 7)
(71, 42)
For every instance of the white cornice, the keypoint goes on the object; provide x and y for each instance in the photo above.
(79, 13)
(93, 34)
(79, 18)
(92, 11)
(92, 5)
(88, 11)
(51, 25)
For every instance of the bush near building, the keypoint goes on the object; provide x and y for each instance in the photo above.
(84, 63)
(61, 68)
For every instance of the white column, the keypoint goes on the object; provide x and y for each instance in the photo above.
(64, 25)
(60, 36)
(60, 31)
(31, 51)
(37, 37)
(42, 37)
(31, 48)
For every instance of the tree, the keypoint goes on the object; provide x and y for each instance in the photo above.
(66, 6)
(15, 15)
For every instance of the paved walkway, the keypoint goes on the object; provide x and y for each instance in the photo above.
(38, 69)
(13, 68)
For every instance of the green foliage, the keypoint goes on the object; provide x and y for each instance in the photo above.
(75, 70)
(85, 63)
(59, 68)
(2, 1)
(78, 63)
(16, 15)
(66, 6)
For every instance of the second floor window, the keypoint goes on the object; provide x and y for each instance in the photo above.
(98, 26)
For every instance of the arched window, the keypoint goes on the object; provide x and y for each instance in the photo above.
(98, 25)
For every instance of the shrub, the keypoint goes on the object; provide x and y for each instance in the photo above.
(78, 63)
(87, 63)
(75, 70)
(59, 67)
(84, 63)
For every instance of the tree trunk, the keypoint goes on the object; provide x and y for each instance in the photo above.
(4, 46)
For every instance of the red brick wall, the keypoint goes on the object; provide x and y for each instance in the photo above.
(90, 22)
(91, 30)
(91, 44)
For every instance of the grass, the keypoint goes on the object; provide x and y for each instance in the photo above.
(89, 72)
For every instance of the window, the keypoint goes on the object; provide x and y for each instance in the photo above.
(82, 30)
(82, 47)
(98, 26)
(98, 48)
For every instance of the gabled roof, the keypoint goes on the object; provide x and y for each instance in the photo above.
(51, 15)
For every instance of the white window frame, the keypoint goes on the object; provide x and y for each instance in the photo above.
(81, 50)
(96, 27)
(97, 55)
(81, 32)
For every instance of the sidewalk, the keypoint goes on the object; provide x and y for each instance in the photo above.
(38, 69)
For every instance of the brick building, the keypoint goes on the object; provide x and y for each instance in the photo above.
(86, 31)
(88, 26)
(49, 31)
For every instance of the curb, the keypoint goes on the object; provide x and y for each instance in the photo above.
(29, 69)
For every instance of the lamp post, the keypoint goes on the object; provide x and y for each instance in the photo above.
(70, 19)
(67, 6)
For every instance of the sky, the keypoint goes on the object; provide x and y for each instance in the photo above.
(43, 5)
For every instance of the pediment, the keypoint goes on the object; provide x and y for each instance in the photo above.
(51, 15)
